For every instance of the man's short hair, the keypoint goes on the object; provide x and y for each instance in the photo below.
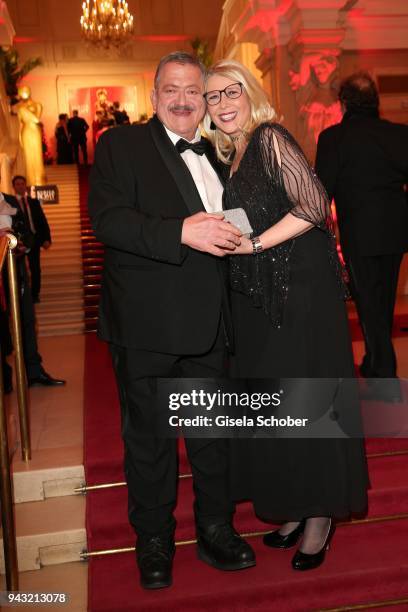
(359, 91)
(18, 177)
(75, 111)
(178, 57)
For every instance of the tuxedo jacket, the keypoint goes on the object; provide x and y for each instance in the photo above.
(77, 128)
(43, 233)
(363, 164)
(157, 294)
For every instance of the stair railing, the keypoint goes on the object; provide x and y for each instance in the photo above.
(8, 243)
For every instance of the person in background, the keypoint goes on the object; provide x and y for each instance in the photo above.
(77, 128)
(38, 224)
(64, 148)
(363, 164)
(121, 116)
(12, 217)
(6, 345)
(107, 124)
(97, 124)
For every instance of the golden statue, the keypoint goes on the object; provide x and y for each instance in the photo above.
(29, 113)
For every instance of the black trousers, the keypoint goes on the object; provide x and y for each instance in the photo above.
(151, 462)
(35, 270)
(76, 145)
(32, 358)
(374, 280)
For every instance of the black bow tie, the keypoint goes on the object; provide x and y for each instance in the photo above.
(198, 147)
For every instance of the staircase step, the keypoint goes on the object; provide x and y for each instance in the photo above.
(49, 532)
(51, 293)
(59, 305)
(52, 472)
(354, 572)
(55, 281)
(66, 315)
(66, 272)
(62, 329)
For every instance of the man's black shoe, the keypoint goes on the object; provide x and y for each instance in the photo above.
(154, 555)
(223, 548)
(45, 380)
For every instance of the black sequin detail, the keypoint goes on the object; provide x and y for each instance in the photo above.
(268, 188)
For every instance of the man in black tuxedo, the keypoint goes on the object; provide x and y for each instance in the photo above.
(363, 163)
(77, 128)
(164, 308)
(38, 226)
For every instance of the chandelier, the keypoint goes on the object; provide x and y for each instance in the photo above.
(106, 22)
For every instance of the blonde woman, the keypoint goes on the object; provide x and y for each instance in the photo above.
(288, 313)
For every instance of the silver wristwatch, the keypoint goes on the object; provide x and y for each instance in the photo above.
(256, 245)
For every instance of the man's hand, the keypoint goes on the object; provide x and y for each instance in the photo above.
(210, 233)
(20, 249)
(46, 245)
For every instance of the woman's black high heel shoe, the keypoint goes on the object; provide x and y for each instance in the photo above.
(303, 561)
(276, 540)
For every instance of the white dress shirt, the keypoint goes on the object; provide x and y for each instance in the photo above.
(204, 176)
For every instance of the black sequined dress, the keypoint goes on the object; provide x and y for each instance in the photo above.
(290, 321)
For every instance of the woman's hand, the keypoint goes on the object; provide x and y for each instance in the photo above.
(245, 248)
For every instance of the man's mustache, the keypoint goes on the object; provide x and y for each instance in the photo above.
(182, 107)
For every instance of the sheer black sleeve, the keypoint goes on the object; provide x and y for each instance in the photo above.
(285, 162)
(272, 180)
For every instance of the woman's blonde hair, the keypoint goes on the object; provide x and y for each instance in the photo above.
(261, 110)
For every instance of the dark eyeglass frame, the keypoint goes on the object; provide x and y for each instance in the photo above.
(223, 91)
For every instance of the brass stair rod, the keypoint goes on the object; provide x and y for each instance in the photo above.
(6, 491)
(19, 355)
(111, 485)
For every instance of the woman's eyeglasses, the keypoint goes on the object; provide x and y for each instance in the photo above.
(233, 92)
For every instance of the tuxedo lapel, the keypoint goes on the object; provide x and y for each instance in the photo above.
(176, 167)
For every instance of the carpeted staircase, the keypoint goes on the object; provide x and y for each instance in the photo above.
(367, 564)
(92, 257)
(61, 309)
(366, 568)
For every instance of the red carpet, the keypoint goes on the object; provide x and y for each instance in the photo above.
(368, 561)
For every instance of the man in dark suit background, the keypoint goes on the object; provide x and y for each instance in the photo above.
(77, 128)
(363, 163)
(164, 309)
(38, 226)
(121, 116)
